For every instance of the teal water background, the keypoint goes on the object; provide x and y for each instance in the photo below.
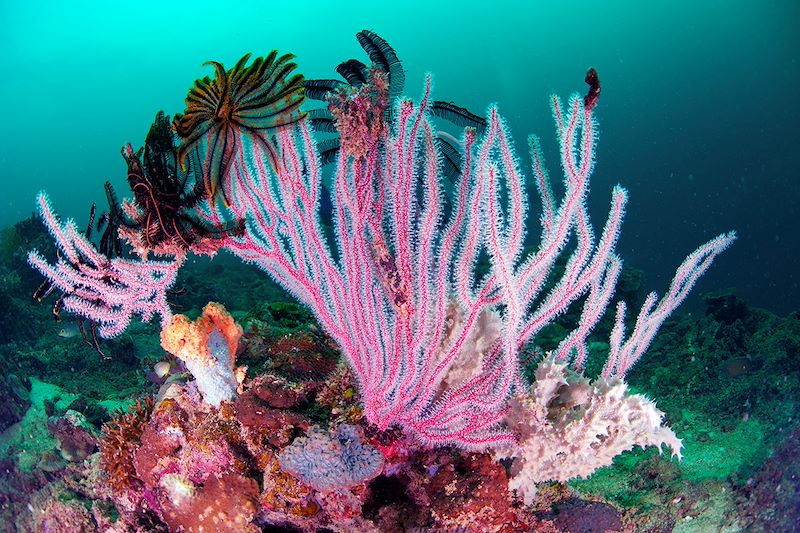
(699, 111)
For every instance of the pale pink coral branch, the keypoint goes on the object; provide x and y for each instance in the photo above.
(623, 355)
(109, 292)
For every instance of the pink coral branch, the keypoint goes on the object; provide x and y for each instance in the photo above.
(434, 346)
(652, 314)
(107, 291)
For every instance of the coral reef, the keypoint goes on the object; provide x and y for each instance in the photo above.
(187, 460)
(405, 406)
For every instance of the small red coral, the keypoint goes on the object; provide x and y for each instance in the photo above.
(472, 491)
(266, 425)
(301, 356)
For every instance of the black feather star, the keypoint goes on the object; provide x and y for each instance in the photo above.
(385, 58)
(460, 116)
(166, 221)
(320, 89)
(356, 74)
(354, 71)
(109, 223)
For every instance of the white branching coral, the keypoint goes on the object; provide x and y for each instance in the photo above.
(569, 427)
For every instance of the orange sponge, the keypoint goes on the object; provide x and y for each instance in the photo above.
(188, 340)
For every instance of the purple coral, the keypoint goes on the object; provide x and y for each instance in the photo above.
(328, 461)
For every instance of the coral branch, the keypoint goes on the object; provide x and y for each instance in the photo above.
(435, 345)
(107, 291)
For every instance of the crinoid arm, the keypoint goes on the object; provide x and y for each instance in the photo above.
(165, 216)
(243, 103)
